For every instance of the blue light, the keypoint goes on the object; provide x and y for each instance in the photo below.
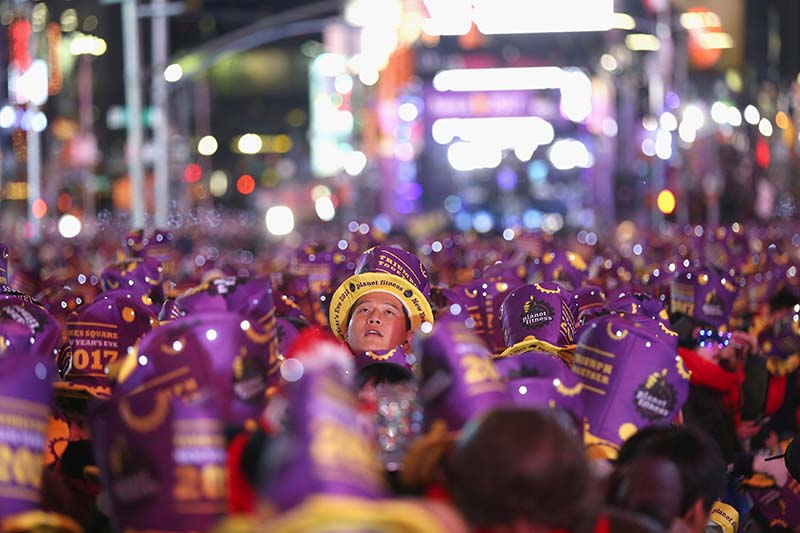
(506, 179)
(537, 171)
(532, 219)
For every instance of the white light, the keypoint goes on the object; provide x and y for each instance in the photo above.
(508, 234)
(69, 226)
(354, 162)
(504, 132)
(687, 133)
(693, 116)
(250, 143)
(32, 85)
(610, 127)
(552, 222)
(765, 127)
(407, 111)
(609, 62)
(218, 183)
(637, 249)
(734, 116)
(7, 116)
(292, 369)
(81, 44)
(751, 114)
(668, 121)
(211, 334)
(566, 154)
(143, 360)
(343, 84)
(623, 21)
(426, 327)
(173, 73)
(207, 145)
(695, 20)
(649, 123)
(483, 222)
(719, 113)
(716, 40)
(324, 208)
(663, 144)
(177, 346)
(280, 220)
(649, 147)
(494, 17)
(504, 79)
(38, 122)
(470, 156)
(245, 325)
(368, 77)
(523, 390)
(642, 42)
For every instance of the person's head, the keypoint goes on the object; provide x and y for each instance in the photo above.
(698, 459)
(649, 486)
(378, 321)
(518, 468)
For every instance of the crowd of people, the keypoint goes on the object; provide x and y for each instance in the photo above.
(170, 381)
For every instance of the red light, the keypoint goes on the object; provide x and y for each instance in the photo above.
(762, 153)
(245, 184)
(39, 208)
(192, 173)
(64, 202)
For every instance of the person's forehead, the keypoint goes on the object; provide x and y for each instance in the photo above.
(379, 297)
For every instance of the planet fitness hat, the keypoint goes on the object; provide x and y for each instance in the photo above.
(538, 317)
(631, 379)
(389, 270)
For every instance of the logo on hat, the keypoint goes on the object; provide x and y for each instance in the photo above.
(712, 305)
(249, 378)
(536, 313)
(655, 399)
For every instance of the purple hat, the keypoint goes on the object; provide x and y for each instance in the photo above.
(778, 506)
(323, 450)
(249, 297)
(287, 333)
(563, 266)
(701, 293)
(25, 396)
(586, 299)
(221, 352)
(385, 269)
(538, 317)
(538, 379)
(40, 334)
(101, 333)
(135, 243)
(484, 298)
(646, 310)
(143, 277)
(322, 267)
(458, 380)
(164, 472)
(631, 379)
(781, 340)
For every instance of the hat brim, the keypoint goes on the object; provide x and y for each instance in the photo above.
(65, 389)
(40, 521)
(347, 294)
(532, 344)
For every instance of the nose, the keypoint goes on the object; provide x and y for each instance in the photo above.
(373, 318)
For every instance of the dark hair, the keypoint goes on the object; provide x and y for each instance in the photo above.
(783, 299)
(697, 457)
(520, 464)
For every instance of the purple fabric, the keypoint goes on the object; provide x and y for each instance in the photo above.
(397, 262)
(25, 396)
(458, 379)
(219, 352)
(542, 310)
(165, 472)
(324, 449)
(101, 333)
(395, 357)
(631, 379)
(41, 335)
(563, 266)
(703, 294)
(142, 276)
(249, 297)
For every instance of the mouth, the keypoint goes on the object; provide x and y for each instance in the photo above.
(370, 332)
